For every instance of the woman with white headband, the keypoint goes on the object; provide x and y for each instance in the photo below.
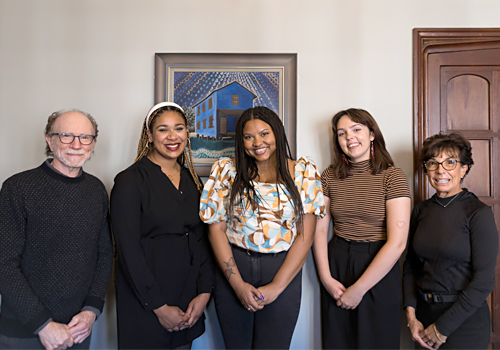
(164, 273)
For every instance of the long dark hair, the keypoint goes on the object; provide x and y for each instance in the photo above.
(246, 168)
(381, 160)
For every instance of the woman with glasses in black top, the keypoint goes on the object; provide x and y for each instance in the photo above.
(450, 267)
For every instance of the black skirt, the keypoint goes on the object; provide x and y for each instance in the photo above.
(375, 322)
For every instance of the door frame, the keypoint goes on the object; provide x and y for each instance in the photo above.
(425, 42)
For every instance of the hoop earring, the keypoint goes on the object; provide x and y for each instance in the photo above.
(373, 151)
(345, 159)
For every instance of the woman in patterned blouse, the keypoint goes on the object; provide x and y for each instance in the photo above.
(264, 204)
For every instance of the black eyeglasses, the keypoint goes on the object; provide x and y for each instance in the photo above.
(448, 164)
(69, 138)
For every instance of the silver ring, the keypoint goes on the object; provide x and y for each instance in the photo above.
(248, 308)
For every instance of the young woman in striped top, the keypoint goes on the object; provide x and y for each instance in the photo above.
(370, 207)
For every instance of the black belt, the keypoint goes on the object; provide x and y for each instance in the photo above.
(433, 297)
(253, 252)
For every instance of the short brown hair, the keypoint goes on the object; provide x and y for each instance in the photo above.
(454, 144)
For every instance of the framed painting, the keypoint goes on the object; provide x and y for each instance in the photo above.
(215, 88)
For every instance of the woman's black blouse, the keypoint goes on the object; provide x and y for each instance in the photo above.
(162, 245)
(451, 250)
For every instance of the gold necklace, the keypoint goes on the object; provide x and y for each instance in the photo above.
(261, 176)
(171, 176)
(447, 204)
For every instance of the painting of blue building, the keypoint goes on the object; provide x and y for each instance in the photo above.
(214, 101)
(217, 114)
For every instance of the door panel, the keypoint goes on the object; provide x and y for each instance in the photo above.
(467, 102)
(457, 89)
(479, 178)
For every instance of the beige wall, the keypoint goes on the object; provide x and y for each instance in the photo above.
(97, 55)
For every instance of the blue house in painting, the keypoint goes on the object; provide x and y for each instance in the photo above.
(217, 114)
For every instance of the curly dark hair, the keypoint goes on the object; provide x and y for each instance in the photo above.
(454, 144)
(246, 168)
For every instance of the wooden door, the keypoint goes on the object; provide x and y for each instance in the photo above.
(457, 88)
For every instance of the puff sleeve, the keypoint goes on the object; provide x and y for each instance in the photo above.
(215, 196)
(308, 182)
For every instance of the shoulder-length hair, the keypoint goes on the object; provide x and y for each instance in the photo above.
(246, 168)
(381, 159)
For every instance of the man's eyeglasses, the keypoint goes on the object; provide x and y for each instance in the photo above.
(448, 164)
(69, 138)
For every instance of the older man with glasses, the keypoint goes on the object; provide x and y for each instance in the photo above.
(56, 252)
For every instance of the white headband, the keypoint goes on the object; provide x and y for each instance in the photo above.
(160, 105)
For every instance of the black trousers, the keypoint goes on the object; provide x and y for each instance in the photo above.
(273, 326)
(474, 333)
(34, 343)
(375, 323)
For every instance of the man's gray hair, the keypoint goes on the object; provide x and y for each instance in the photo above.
(52, 119)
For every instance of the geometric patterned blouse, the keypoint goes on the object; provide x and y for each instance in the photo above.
(271, 227)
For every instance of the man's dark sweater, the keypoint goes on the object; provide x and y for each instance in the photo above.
(56, 253)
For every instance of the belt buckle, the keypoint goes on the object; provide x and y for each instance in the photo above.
(433, 298)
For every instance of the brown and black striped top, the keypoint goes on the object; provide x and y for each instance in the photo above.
(357, 203)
